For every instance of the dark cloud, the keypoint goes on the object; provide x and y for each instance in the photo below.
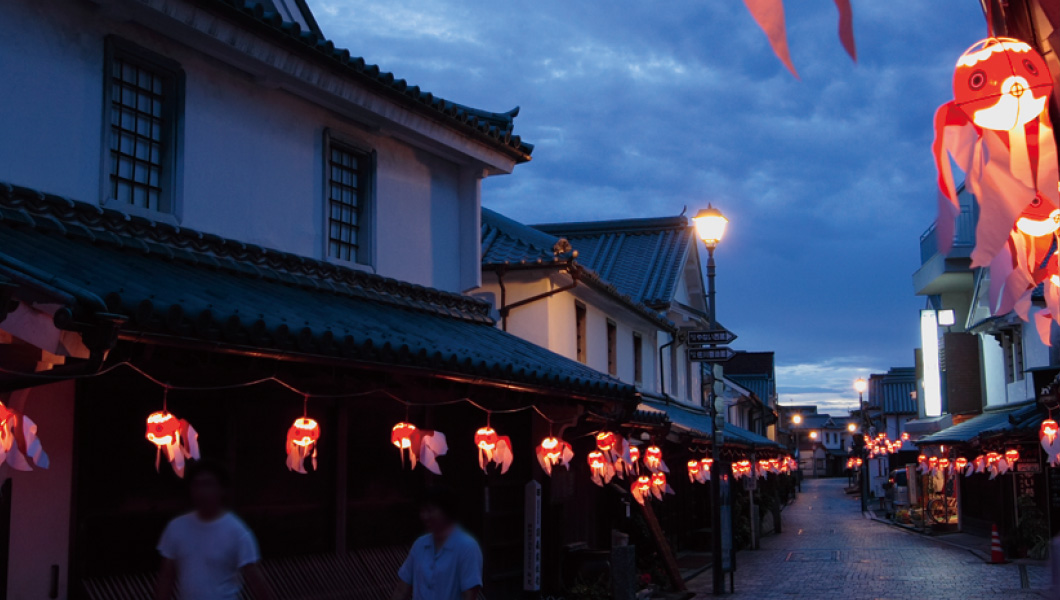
(639, 108)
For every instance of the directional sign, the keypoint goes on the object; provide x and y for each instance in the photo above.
(711, 355)
(710, 336)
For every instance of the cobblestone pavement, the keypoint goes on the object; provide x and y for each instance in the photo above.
(828, 550)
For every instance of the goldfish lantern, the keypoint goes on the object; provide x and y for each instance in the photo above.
(552, 452)
(1006, 464)
(423, 446)
(933, 464)
(997, 130)
(961, 465)
(992, 460)
(944, 466)
(905, 437)
(634, 459)
(302, 440)
(763, 468)
(659, 485)
(493, 448)
(176, 437)
(653, 460)
(705, 465)
(1050, 440)
(605, 441)
(600, 468)
(18, 441)
(858, 462)
(641, 489)
(693, 470)
(615, 449)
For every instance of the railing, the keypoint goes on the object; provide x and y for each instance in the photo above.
(963, 237)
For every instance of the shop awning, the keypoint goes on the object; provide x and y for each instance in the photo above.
(697, 422)
(174, 285)
(994, 421)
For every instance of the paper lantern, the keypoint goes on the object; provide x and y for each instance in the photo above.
(302, 440)
(654, 461)
(944, 465)
(997, 130)
(176, 437)
(1050, 440)
(858, 462)
(693, 471)
(905, 437)
(634, 459)
(600, 468)
(493, 448)
(552, 452)
(605, 441)
(641, 489)
(659, 485)
(422, 446)
(18, 441)
(992, 466)
(961, 464)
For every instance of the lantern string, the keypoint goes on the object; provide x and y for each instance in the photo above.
(165, 399)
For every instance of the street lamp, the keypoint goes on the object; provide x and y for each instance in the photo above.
(852, 427)
(796, 419)
(710, 227)
(861, 385)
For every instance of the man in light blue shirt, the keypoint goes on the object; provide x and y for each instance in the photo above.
(444, 564)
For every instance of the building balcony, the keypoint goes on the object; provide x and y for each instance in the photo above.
(938, 273)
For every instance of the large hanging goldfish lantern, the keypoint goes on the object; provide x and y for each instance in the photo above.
(551, 452)
(1050, 440)
(302, 440)
(18, 441)
(634, 460)
(493, 448)
(997, 130)
(175, 436)
(653, 459)
(659, 485)
(423, 446)
(616, 451)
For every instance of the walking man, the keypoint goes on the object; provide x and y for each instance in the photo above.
(205, 552)
(444, 564)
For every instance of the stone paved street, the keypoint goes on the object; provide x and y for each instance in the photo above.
(828, 550)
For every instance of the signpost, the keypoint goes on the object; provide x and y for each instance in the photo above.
(711, 355)
(710, 337)
(532, 537)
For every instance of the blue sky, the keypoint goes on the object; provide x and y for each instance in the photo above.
(640, 108)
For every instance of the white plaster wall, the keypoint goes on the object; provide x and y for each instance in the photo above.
(252, 153)
(41, 499)
(993, 368)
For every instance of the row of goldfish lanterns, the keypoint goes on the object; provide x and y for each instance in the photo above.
(992, 463)
(613, 457)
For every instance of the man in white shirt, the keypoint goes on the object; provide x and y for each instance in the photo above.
(444, 564)
(205, 552)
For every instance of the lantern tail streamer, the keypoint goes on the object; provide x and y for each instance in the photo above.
(34, 449)
(846, 28)
(432, 445)
(769, 14)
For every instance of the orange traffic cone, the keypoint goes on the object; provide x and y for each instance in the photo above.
(997, 557)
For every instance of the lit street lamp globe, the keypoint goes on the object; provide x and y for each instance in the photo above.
(710, 225)
(852, 427)
(796, 419)
(813, 435)
(861, 385)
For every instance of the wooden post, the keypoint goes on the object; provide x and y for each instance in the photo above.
(669, 561)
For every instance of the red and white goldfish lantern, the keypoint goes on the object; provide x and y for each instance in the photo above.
(992, 466)
(600, 468)
(18, 441)
(302, 440)
(615, 449)
(653, 459)
(693, 471)
(493, 448)
(944, 466)
(960, 465)
(659, 485)
(705, 465)
(176, 437)
(1049, 437)
(997, 130)
(551, 452)
(422, 445)
(634, 459)
(1008, 461)
(641, 489)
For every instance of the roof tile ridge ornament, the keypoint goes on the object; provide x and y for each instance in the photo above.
(141, 230)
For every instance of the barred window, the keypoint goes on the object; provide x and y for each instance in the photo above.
(143, 104)
(347, 171)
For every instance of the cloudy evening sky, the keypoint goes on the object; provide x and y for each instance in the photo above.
(640, 108)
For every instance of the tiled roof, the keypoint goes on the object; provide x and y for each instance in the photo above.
(183, 284)
(508, 243)
(698, 423)
(495, 129)
(1022, 416)
(750, 363)
(893, 391)
(760, 385)
(643, 258)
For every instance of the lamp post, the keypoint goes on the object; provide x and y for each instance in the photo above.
(796, 420)
(710, 227)
(861, 385)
